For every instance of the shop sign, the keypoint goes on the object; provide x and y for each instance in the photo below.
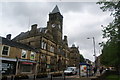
(7, 68)
(24, 60)
(83, 70)
(7, 59)
(27, 63)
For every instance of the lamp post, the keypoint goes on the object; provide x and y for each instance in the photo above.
(94, 49)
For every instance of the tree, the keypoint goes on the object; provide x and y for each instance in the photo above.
(82, 59)
(110, 53)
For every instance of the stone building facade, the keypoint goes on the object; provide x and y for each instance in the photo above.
(17, 58)
(51, 49)
(74, 56)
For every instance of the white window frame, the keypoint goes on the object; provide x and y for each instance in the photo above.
(7, 52)
(51, 48)
(33, 54)
(45, 45)
(25, 52)
(42, 45)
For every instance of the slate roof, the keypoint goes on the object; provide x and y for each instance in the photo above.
(56, 9)
(12, 43)
(26, 34)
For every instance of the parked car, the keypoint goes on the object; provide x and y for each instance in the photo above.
(71, 70)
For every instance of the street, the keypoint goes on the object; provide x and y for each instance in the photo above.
(66, 77)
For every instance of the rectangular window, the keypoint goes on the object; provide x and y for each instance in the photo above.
(42, 45)
(32, 56)
(52, 49)
(26, 68)
(45, 45)
(5, 50)
(24, 54)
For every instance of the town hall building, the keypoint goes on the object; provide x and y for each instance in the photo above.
(50, 47)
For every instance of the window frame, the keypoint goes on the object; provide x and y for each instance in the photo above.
(7, 52)
(52, 49)
(44, 45)
(26, 53)
(31, 54)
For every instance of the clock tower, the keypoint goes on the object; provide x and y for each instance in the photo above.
(56, 24)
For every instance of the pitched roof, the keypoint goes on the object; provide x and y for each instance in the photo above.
(56, 9)
(12, 43)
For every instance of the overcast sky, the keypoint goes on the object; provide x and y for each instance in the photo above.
(81, 20)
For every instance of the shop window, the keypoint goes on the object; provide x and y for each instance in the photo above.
(26, 68)
(32, 56)
(24, 54)
(5, 50)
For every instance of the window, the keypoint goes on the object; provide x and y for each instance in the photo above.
(59, 50)
(32, 56)
(26, 68)
(5, 50)
(24, 54)
(52, 49)
(43, 45)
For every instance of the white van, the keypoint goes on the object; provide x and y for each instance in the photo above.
(71, 70)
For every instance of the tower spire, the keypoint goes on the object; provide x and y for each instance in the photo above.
(56, 9)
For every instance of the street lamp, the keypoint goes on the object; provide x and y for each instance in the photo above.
(93, 48)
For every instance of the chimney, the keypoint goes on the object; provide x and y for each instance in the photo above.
(34, 27)
(8, 36)
(65, 38)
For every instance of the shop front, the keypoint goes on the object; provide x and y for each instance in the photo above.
(8, 66)
(27, 66)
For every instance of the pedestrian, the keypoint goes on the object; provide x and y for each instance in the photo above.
(101, 70)
(95, 70)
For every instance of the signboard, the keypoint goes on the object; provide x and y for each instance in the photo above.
(8, 68)
(83, 70)
(27, 63)
(25, 60)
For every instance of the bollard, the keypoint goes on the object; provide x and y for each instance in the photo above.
(12, 78)
(51, 77)
(64, 76)
(34, 77)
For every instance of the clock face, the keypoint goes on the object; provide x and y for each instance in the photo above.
(53, 25)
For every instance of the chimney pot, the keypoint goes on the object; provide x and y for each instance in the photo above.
(8, 36)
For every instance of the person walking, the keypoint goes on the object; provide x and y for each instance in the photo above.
(95, 70)
(101, 70)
